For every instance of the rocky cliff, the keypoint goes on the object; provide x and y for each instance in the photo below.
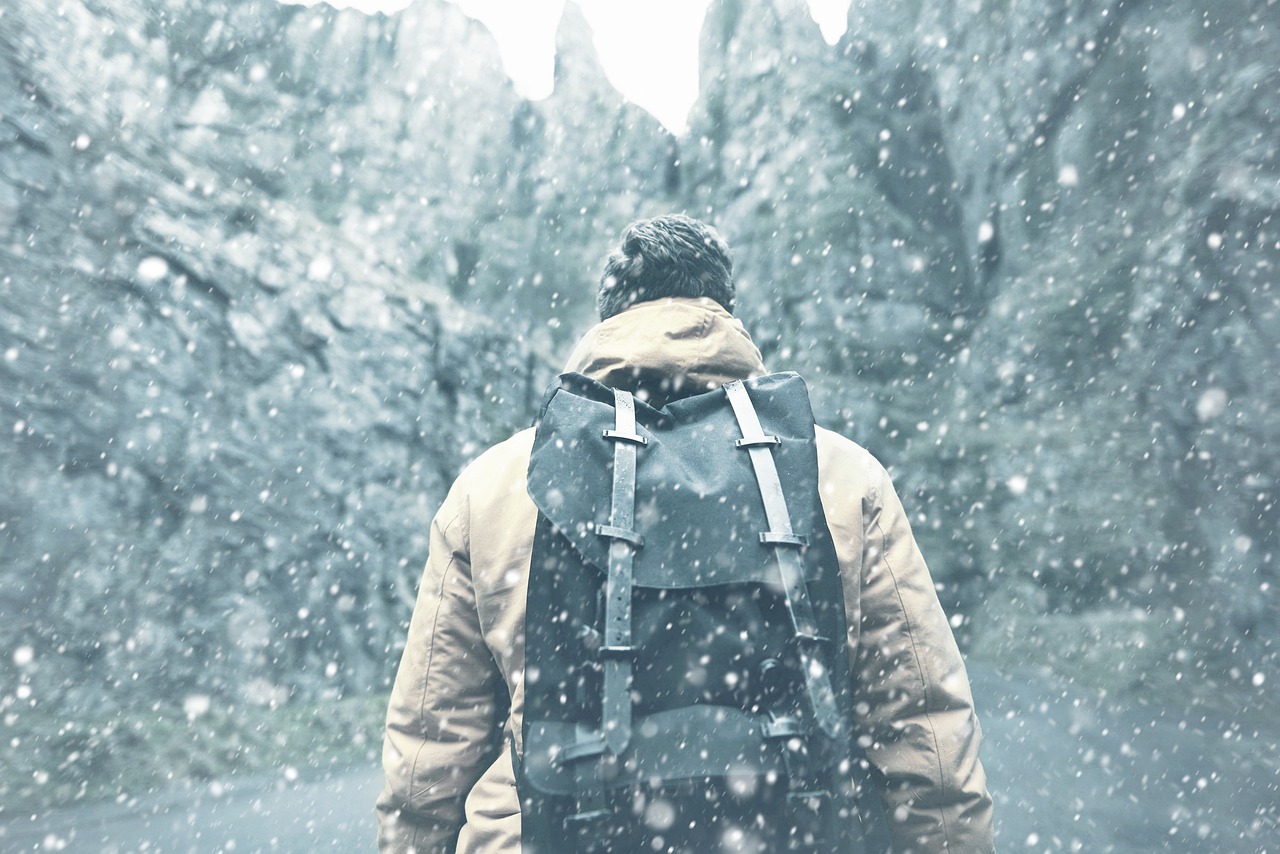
(1029, 253)
(270, 275)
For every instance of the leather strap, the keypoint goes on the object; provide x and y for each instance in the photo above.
(787, 734)
(624, 540)
(589, 800)
(786, 545)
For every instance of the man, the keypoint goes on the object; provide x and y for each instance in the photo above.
(667, 331)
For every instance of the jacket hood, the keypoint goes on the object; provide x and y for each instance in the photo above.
(668, 348)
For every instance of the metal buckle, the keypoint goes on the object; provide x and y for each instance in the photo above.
(615, 533)
(634, 438)
(585, 749)
(784, 538)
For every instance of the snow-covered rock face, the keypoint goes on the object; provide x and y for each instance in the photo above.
(225, 392)
(268, 275)
(1026, 252)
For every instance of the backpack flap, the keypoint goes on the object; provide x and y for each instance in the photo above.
(692, 480)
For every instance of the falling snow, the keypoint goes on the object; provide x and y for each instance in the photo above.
(270, 277)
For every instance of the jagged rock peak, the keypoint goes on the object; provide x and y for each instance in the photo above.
(872, 23)
(429, 25)
(756, 35)
(577, 60)
(422, 43)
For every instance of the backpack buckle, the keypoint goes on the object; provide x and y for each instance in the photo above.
(813, 795)
(782, 726)
(585, 748)
(784, 538)
(616, 651)
(756, 441)
(613, 532)
(581, 819)
(620, 436)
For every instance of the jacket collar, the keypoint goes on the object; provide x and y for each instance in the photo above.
(668, 348)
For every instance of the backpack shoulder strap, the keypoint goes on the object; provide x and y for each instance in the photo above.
(786, 544)
(623, 542)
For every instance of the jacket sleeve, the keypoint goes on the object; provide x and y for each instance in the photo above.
(918, 723)
(440, 720)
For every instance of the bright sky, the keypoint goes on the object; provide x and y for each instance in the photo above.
(649, 48)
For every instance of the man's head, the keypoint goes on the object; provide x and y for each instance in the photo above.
(667, 256)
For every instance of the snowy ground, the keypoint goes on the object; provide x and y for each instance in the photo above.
(331, 813)
(1070, 772)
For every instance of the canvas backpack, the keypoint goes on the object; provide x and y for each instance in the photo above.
(687, 684)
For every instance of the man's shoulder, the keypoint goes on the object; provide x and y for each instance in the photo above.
(846, 466)
(493, 482)
(838, 447)
(499, 463)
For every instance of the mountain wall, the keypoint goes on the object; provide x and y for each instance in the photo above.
(1028, 253)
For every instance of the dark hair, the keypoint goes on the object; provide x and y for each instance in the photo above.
(666, 256)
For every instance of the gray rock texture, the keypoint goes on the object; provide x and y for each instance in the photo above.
(230, 407)
(1027, 252)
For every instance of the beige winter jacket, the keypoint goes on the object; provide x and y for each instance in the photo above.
(466, 638)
